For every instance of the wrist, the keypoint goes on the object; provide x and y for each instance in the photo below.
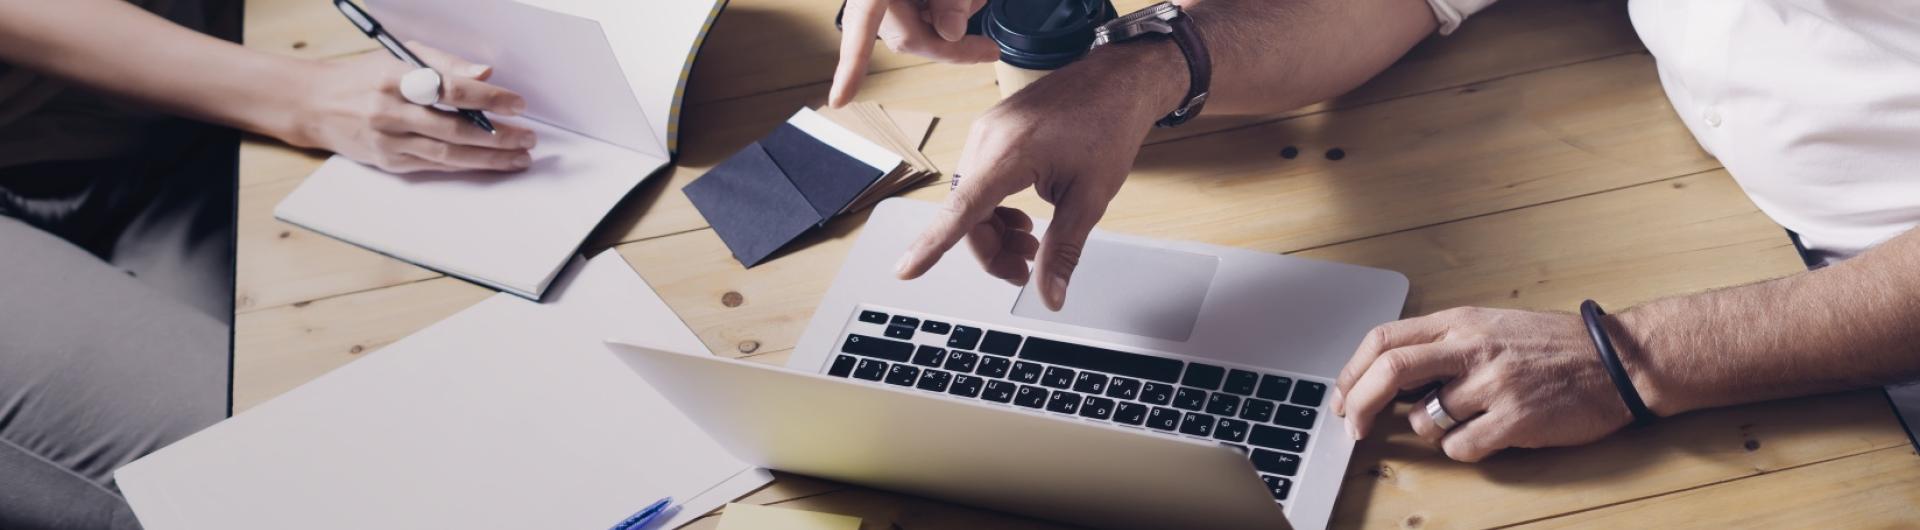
(1151, 75)
(1636, 339)
(288, 106)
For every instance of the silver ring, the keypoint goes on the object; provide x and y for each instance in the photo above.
(1438, 413)
(421, 87)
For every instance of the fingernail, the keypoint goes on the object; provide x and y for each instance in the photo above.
(1353, 431)
(948, 32)
(900, 267)
(1339, 403)
(1057, 298)
(522, 161)
(519, 107)
(475, 70)
(526, 141)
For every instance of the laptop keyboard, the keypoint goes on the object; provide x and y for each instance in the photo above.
(1266, 416)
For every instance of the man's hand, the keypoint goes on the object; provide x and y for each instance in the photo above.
(932, 28)
(1511, 378)
(1072, 136)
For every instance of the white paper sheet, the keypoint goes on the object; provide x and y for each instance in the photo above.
(511, 231)
(508, 415)
(656, 41)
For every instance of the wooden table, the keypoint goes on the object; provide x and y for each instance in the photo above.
(1531, 160)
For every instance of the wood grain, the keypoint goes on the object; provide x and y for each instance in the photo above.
(1876, 489)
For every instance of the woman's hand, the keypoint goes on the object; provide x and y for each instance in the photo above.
(354, 108)
(1511, 378)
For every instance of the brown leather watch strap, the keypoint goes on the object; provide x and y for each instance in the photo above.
(1199, 70)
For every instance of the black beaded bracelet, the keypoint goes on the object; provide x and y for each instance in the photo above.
(1590, 311)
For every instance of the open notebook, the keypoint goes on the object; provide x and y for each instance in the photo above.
(603, 82)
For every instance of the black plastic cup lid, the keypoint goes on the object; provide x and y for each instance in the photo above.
(1045, 34)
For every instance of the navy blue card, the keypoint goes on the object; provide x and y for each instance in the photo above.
(752, 205)
(827, 177)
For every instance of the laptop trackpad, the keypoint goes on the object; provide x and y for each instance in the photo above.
(1147, 291)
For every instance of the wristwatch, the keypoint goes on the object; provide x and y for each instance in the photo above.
(1167, 20)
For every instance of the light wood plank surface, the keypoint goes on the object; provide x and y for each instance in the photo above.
(1528, 161)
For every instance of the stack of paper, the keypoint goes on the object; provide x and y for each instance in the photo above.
(510, 414)
(902, 132)
(807, 171)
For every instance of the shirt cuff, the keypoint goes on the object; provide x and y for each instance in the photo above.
(1451, 12)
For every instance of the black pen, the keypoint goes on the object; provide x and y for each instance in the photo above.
(372, 28)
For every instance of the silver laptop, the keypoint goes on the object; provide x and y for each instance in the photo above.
(1176, 341)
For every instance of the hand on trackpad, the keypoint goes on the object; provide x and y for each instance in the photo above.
(1140, 290)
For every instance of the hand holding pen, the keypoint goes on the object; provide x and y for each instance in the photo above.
(356, 107)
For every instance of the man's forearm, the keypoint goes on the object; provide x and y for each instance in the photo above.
(1854, 324)
(1273, 55)
(114, 47)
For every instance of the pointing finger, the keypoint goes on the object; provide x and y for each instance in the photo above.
(859, 26)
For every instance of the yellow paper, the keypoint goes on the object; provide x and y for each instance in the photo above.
(755, 517)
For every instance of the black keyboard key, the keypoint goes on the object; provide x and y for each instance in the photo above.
(1030, 396)
(994, 366)
(935, 327)
(1064, 403)
(1197, 424)
(900, 332)
(873, 317)
(961, 361)
(842, 366)
(1163, 418)
(999, 343)
(1231, 430)
(1308, 393)
(1296, 417)
(929, 356)
(877, 348)
(1275, 462)
(998, 391)
(934, 380)
(1279, 486)
(1277, 438)
(1096, 407)
(1090, 383)
(1241, 382)
(1257, 410)
(903, 320)
(870, 370)
(964, 338)
(1026, 372)
(1276, 388)
(1101, 360)
(1123, 388)
(902, 375)
(1223, 404)
(1204, 376)
(1156, 393)
(1130, 413)
(1057, 377)
(965, 385)
(1190, 398)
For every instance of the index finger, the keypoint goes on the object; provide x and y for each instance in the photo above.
(1382, 338)
(860, 25)
(968, 206)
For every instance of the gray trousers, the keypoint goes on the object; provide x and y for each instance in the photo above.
(111, 351)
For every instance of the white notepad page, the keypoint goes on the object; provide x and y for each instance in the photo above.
(514, 231)
(508, 415)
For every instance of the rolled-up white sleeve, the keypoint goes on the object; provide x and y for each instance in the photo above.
(1451, 12)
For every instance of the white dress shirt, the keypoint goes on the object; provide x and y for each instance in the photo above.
(1812, 105)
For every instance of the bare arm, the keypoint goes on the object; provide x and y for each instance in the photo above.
(1851, 325)
(1073, 135)
(351, 107)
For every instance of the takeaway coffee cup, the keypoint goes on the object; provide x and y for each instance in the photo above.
(1037, 37)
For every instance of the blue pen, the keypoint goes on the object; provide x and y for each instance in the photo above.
(646, 515)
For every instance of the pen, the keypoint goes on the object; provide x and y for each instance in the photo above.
(646, 515)
(373, 29)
